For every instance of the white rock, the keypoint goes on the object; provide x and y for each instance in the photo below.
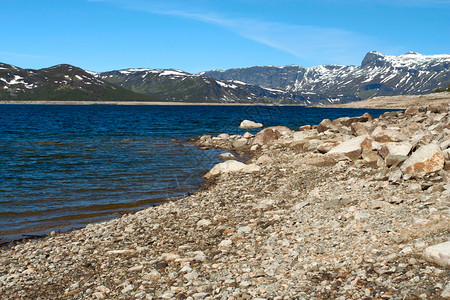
(446, 292)
(191, 276)
(395, 148)
(250, 124)
(200, 295)
(439, 254)
(263, 159)
(203, 222)
(169, 256)
(351, 148)
(152, 276)
(244, 230)
(225, 244)
(225, 167)
(136, 268)
(200, 256)
(227, 156)
(240, 143)
(224, 136)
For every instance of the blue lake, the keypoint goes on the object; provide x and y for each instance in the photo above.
(63, 166)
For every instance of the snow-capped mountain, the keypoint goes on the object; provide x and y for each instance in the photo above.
(61, 82)
(378, 75)
(177, 85)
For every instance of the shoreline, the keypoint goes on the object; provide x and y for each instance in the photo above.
(382, 102)
(58, 102)
(397, 102)
(299, 219)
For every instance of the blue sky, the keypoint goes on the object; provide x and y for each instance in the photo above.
(199, 35)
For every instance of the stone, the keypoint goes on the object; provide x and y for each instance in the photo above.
(325, 147)
(395, 148)
(349, 121)
(266, 136)
(338, 121)
(437, 108)
(388, 135)
(392, 160)
(200, 256)
(225, 244)
(203, 223)
(351, 148)
(282, 130)
(446, 292)
(122, 252)
(169, 256)
(359, 128)
(244, 230)
(370, 157)
(224, 136)
(325, 125)
(152, 276)
(99, 295)
(227, 156)
(426, 159)
(136, 268)
(247, 124)
(191, 276)
(263, 159)
(412, 110)
(305, 127)
(201, 295)
(225, 167)
(362, 216)
(395, 175)
(240, 144)
(438, 254)
(247, 135)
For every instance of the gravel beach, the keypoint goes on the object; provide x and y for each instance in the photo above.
(354, 208)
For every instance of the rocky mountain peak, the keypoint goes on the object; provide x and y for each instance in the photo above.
(373, 59)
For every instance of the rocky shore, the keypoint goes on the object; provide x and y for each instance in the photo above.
(354, 208)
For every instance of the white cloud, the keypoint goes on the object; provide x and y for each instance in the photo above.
(312, 44)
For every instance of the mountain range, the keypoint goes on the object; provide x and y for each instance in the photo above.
(61, 82)
(378, 75)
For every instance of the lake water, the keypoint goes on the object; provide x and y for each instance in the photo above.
(64, 166)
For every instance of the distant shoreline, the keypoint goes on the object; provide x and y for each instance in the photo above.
(396, 102)
(61, 102)
(384, 102)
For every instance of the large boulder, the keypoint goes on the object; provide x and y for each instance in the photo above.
(246, 124)
(325, 125)
(271, 134)
(266, 136)
(347, 121)
(240, 144)
(225, 167)
(428, 158)
(352, 148)
(388, 135)
(395, 148)
(364, 118)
